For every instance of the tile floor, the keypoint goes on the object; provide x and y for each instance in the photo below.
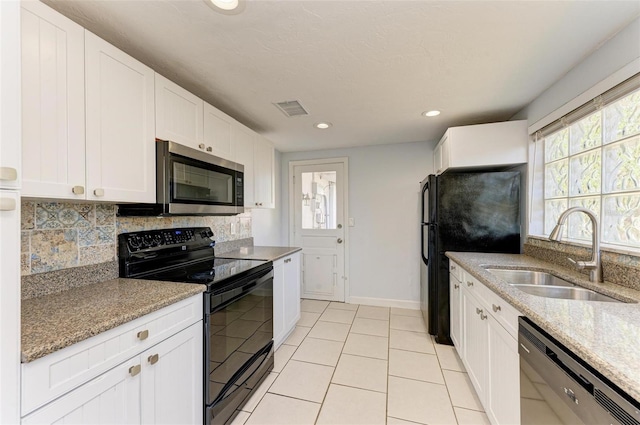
(351, 364)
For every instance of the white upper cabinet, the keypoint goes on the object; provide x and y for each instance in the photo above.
(244, 140)
(264, 154)
(217, 133)
(178, 114)
(482, 145)
(53, 130)
(120, 125)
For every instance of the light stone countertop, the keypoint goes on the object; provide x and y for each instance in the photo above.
(605, 334)
(267, 253)
(53, 322)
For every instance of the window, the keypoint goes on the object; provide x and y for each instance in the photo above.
(592, 160)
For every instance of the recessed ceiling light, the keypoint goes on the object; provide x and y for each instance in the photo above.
(225, 4)
(431, 113)
(323, 125)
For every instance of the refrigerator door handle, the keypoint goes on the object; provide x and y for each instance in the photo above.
(424, 259)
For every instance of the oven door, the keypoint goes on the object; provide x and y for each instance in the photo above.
(239, 343)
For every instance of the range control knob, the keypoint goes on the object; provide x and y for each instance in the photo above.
(158, 240)
(134, 242)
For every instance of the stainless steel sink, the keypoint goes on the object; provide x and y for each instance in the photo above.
(567, 293)
(529, 277)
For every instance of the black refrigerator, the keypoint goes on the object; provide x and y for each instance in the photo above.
(473, 212)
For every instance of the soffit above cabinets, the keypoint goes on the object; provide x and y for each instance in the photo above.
(368, 67)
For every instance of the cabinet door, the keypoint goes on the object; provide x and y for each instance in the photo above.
(264, 173)
(243, 140)
(120, 125)
(437, 159)
(278, 302)
(10, 95)
(475, 333)
(455, 296)
(111, 398)
(503, 380)
(291, 291)
(178, 113)
(217, 133)
(53, 132)
(172, 379)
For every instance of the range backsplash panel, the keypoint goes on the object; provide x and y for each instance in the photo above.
(60, 235)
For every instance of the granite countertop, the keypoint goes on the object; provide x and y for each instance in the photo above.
(267, 253)
(53, 322)
(605, 334)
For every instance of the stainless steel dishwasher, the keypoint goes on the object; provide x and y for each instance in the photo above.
(557, 387)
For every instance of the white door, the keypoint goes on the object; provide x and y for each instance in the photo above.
(318, 209)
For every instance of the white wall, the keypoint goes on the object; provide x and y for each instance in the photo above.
(266, 223)
(384, 200)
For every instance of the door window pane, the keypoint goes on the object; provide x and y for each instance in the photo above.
(319, 207)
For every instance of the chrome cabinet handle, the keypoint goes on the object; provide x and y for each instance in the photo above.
(78, 190)
(8, 173)
(134, 370)
(98, 192)
(469, 283)
(154, 359)
(339, 240)
(7, 204)
(142, 335)
(496, 308)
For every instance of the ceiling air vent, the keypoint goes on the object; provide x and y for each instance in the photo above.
(291, 108)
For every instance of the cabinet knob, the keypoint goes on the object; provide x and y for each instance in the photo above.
(469, 283)
(339, 240)
(201, 146)
(209, 149)
(78, 190)
(456, 286)
(154, 359)
(142, 335)
(483, 316)
(479, 310)
(8, 173)
(496, 308)
(99, 193)
(7, 204)
(134, 370)
(339, 226)
(257, 204)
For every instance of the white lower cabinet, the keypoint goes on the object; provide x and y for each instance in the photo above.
(486, 341)
(286, 296)
(160, 384)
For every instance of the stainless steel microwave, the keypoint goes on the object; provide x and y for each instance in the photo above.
(191, 182)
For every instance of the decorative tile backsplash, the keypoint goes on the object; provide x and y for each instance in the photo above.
(60, 235)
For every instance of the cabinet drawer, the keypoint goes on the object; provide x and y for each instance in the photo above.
(455, 270)
(505, 314)
(473, 286)
(56, 374)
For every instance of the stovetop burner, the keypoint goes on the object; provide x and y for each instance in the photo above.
(178, 255)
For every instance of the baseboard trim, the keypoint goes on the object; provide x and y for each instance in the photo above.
(385, 302)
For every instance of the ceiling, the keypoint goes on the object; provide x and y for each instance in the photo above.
(368, 67)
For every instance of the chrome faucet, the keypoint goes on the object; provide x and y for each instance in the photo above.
(595, 264)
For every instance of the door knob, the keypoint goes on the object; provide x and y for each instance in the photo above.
(339, 240)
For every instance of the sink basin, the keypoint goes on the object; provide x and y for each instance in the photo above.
(529, 277)
(564, 292)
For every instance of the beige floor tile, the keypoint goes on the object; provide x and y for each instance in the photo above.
(367, 346)
(406, 312)
(338, 316)
(396, 421)
(241, 418)
(411, 365)
(407, 399)
(370, 312)
(329, 330)
(282, 356)
(303, 380)
(461, 390)
(361, 372)
(408, 323)
(343, 306)
(278, 410)
(297, 335)
(255, 398)
(320, 351)
(448, 357)
(352, 406)
(313, 306)
(470, 417)
(411, 341)
(308, 319)
(370, 327)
